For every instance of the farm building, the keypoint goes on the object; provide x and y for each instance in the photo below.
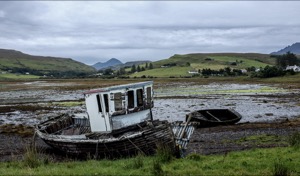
(193, 72)
(295, 68)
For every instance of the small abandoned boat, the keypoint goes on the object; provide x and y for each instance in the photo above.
(118, 123)
(213, 117)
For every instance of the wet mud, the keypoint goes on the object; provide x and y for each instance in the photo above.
(243, 136)
(256, 103)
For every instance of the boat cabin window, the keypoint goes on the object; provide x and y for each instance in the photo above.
(130, 95)
(118, 101)
(148, 95)
(105, 97)
(139, 97)
(99, 103)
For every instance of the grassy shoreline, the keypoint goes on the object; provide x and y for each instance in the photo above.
(250, 162)
(291, 81)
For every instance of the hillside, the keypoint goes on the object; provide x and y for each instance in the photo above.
(294, 48)
(179, 65)
(11, 60)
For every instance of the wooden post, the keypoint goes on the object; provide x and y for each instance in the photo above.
(186, 124)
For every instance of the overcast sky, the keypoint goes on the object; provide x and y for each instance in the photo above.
(95, 31)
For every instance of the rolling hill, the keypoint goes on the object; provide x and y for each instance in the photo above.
(14, 60)
(179, 65)
(175, 66)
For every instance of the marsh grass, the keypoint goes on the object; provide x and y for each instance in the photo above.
(68, 103)
(136, 162)
(294, 140)
(34, 158)
(157, 168)
(22, 130)
(264, 139)
(164, 153)
(31, 157)
(250, 162)
(280, 169)
(194, 157)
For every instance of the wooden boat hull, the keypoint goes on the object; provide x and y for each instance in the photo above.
(142, 138)
(214, 117)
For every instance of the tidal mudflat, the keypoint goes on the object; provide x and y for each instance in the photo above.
(256, 102)
(27, 103)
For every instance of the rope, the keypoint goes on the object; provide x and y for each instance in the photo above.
(33, 139)
(96, 154)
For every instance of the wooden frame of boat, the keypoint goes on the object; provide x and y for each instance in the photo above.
(66, 134)
(214, 117)
(118, 123)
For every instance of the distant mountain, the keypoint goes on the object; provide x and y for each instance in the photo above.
(115, 64)
(294, 48)
(16, 60)
(110, 63)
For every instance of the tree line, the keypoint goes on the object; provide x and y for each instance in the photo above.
(227, 71)
(282, 61)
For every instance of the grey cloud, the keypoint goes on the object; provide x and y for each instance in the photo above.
(93, 30)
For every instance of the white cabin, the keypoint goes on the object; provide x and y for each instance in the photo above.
(119, 106)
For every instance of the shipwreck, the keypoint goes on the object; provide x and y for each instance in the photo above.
(118, 123)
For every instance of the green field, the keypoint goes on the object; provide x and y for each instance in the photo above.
(46, 64)
(214, 61)
(219, 62)
(17, 76)
(164, 72)
(274, 161)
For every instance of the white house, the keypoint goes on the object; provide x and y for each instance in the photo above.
(163, 66)
(193, 72)
(243, 70)
(295, 68)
